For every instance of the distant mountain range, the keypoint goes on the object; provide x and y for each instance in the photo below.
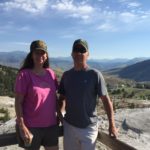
(15, 58)
(139, 71)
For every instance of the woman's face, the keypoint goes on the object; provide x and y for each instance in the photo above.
(39, 57)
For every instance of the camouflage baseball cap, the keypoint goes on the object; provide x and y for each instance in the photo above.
(38, 45)
(80, 42)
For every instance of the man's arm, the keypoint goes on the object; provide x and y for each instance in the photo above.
(110, 113)
(61, 106)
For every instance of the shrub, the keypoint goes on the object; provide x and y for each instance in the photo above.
(6, 115)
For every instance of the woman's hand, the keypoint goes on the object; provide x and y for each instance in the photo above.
(25, 134)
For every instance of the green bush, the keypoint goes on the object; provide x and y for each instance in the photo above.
(5, 116)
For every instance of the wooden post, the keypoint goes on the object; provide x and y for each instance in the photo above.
(8, 139)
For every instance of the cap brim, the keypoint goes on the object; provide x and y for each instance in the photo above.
(41, 49)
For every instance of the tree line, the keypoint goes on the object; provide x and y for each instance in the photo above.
(7, 80)
(8, 76)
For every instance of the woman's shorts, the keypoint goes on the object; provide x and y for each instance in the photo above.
(45, 136)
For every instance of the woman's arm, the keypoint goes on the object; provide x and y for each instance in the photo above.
(24, 132)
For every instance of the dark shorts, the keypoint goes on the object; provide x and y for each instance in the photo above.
(47, 137)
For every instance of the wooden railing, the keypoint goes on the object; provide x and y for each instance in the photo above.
(114, 144)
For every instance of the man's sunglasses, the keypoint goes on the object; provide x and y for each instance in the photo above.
(79, 50)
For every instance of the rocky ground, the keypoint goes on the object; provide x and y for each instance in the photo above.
(134, 127)
(7, 103)
(133, 124)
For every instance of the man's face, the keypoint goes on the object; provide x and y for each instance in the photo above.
(80, 54)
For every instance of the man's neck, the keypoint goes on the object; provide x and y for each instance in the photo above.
(79, 67)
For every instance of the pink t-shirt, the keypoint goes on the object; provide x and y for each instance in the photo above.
(39, 105)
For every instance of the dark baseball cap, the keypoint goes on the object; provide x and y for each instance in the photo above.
(80, 42)
(38, 45)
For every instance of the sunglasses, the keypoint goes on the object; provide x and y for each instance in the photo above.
(79, 50)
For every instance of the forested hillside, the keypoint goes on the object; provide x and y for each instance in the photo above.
(8, 76)
(116, 86)
(138, 72)
(7, 79)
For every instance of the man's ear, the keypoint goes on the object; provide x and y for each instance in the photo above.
(88, 54)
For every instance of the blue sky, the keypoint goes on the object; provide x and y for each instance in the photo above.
(113, 28)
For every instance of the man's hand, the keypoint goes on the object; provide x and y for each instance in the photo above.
(113, 131)
(59, 118)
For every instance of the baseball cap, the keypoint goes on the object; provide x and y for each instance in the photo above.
(80, 42)
(38, 45)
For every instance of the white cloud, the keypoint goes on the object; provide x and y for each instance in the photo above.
(21, 43)
(67, 36)
(107, 16)
(128, 17)
(106, 27)
(32, 6)
(24, 28)
(130, 3)
(121, 18)
(5, 28)
(134, 4)
(12, 26)
(74, 10)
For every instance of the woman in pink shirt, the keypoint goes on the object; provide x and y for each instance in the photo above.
(35, 101)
